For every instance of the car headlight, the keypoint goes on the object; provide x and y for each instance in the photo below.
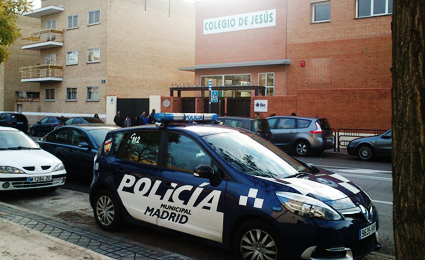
(10, 169)
(307, 207)
(59, 167)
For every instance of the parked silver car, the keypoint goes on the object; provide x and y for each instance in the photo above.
(301, 135)
(367, 148)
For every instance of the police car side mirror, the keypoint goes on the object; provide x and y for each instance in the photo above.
(206, 171)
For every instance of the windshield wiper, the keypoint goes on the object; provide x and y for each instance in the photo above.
(21, 148)
(299, 174)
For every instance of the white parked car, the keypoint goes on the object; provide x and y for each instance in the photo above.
(24, 165)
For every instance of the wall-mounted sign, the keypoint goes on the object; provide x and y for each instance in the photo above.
(166, 103)
(240, 22)
(261, 105)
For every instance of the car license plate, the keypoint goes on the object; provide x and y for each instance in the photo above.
(367, 231)
(40, 178)
(329, 140)
(19, 123)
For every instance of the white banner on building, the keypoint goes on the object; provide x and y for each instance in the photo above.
(261, 105)
(240, 22)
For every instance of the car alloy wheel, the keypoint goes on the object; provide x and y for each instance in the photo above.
(365, 152)
(257, 240)
(302, 148)
(107, 212)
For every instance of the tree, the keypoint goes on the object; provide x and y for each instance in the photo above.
(408, 124)
(9, 31)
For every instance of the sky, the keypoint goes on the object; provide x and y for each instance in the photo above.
(36, 4)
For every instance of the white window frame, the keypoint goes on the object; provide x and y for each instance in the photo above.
(74, 92)
(50, 59)
(387, 7)
(51, 91)
(51, 24)
(95, 93)
(313, 11)
(96, 55)
(267, 86)
(71, 58)
(74, 19)
(93, 13)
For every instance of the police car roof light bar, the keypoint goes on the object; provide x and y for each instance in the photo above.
(185, 117)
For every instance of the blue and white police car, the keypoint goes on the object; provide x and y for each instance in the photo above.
(231, 188)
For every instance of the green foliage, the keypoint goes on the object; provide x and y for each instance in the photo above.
(9, 31)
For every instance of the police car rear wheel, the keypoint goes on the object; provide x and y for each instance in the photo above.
(107, 212)
(257, 240)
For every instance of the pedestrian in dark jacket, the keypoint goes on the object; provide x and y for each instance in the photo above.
(152, 117)
(118, 119)
(142, 118)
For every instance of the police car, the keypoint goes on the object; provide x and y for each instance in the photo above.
(232, 188)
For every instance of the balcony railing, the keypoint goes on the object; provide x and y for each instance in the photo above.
(41, 73)
(48, 38)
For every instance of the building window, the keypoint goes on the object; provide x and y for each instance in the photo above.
(51, 24)
(368, 8)
(72, 22)
(71, 94)
(229, 80)
(50, 94)
(94, 17)
(27, 96)
(50, 59)
(71, 57)
(92, 93)
(321, 12)
(267, 80)
(93, 55)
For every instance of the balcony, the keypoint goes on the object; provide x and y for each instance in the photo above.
(42, 73)
(44, 39)
(48, 10)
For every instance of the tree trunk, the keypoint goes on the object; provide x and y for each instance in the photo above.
(408, 124)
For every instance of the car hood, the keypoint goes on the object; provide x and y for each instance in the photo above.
(330, 188)
(29, 158)
(365, 139)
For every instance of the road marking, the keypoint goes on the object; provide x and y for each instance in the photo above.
(354, 170)
(368, 177)
(383, 202)
(358, 173)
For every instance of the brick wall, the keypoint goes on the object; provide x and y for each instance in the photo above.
(348, 108)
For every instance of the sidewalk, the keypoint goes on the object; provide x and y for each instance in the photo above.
(29, 236)
(19, 242)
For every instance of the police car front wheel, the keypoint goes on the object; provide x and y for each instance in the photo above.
(257, 240)
(107, 211)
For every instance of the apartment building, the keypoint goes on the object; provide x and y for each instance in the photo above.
(323, 58)
(95, 55)
(12, 92)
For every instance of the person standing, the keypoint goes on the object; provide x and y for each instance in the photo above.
(152, 117)
(142, 118)
(118, 119)
(127, 122)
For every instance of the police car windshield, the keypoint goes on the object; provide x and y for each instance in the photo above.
(254, 156)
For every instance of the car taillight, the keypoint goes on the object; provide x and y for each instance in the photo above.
(9, 123)
(318, 129)
(60, 124)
